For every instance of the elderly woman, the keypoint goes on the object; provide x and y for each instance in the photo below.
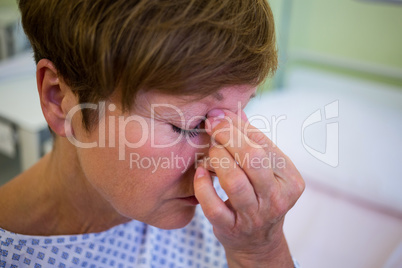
(145, 102)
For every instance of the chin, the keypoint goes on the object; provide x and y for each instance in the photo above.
(176, 220)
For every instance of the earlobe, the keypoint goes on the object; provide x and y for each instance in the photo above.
(52, 93)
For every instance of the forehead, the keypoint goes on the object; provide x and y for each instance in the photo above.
(230, 98)
(225, 95)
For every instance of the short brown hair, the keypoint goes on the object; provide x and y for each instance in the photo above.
(183, 47)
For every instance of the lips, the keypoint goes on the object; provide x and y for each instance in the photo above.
(192, 200)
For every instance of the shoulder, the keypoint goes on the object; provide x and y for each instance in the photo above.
(23, 207)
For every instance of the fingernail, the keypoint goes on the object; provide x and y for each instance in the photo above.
(215, 116)
(216, 113)
(200, 172)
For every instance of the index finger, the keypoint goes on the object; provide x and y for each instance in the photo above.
(251, 140)
(243, 139)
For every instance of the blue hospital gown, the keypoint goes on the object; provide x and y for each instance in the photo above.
(132, 244)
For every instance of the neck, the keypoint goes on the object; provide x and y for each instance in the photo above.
(54, 197)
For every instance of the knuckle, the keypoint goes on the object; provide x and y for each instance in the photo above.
(214, 151)
(301, 185)
(200, 187)
(254, 152)
(298, 185)
(214, 213)
(222, 131)
(234, 186)
(282, 208)
(259, 138)
(254, 158)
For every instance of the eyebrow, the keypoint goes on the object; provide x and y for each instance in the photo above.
(219, 96)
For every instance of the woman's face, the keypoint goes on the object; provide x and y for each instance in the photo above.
(143, 163)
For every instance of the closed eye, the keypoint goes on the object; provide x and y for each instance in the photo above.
(188, 132)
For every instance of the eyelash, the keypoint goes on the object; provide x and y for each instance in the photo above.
(190, 133)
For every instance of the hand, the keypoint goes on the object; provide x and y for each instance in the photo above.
(262, 185)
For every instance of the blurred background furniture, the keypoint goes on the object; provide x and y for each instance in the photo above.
(24, 135)
(12, 38)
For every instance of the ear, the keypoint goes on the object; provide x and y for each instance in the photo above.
(56, 97)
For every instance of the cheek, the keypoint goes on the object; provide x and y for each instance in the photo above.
(167, 164)
(102, 168)
(146, 180)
